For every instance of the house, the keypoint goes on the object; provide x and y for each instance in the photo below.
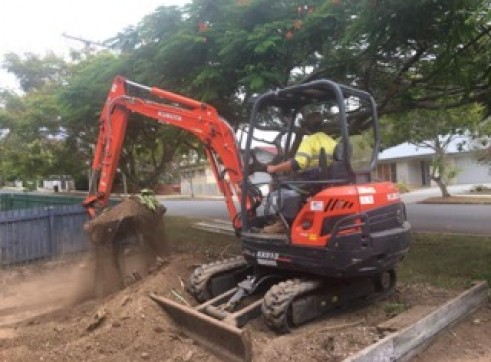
(59, 183)
(198, 179)
(410, 164)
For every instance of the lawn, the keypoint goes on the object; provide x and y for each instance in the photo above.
(444, 260)
(447, 260)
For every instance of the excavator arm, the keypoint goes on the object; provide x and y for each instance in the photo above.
(200, 119)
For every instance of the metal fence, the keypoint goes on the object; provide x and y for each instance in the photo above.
(17, 201)
(43, 232)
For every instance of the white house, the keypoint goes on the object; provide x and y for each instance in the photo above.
(410, 164)
(198, 179)
(59, 183)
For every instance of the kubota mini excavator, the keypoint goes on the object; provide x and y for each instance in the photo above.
(345, 234)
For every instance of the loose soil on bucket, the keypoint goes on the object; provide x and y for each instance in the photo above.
(47, 313)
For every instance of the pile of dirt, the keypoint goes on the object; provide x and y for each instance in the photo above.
(129, 326)
(126, 219)
(45, 313)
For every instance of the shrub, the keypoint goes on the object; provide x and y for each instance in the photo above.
(402, 187)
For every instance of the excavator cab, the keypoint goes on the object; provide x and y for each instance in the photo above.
(349, 117)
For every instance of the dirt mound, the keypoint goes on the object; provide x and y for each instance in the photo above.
(126, 219)
(39, 321)
(129, 326)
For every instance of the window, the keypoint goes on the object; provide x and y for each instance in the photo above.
(387, 172)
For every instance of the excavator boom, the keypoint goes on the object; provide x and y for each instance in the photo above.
(200, 119)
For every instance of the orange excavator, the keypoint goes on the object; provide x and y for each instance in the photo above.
(345, 233)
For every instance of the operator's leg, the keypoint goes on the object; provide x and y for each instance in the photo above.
(286, 204)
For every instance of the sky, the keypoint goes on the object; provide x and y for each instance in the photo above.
(37, 26)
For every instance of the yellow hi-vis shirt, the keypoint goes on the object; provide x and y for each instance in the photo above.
(307, 155)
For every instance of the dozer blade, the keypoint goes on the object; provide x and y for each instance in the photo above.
(222, 339)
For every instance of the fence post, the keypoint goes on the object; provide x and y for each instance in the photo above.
(51, 224)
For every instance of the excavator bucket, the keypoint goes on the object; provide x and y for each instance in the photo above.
(131, 224)
(222, 339)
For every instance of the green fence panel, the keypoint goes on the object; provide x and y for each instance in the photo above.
(19, 201)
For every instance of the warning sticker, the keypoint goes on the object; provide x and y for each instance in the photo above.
(316, 205)
(393, 196)
(367, 200)
(366, 190)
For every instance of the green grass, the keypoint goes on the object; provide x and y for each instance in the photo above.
(445, 260)
(182, 237)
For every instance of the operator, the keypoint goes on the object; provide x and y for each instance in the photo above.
(306, 158)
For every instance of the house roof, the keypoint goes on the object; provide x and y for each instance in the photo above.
(459, 144)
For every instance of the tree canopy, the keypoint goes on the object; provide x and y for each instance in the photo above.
(411, 55)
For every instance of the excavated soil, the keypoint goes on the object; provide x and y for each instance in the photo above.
(45, 315)
(42, 318)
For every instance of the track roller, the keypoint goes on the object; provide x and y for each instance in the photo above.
(210, 280)
(276, 307)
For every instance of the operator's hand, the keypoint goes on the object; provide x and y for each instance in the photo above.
(285, 166)
(270, 169)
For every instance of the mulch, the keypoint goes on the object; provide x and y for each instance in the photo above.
(475, 199)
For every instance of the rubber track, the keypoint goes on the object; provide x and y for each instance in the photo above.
(277, 301)
(198, 280)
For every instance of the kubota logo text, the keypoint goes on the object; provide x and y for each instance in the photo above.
(174, 117)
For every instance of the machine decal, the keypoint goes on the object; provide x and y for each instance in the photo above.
(267, 262)
(316, 205)
(267, 255)
(366, 190)
(174, 117)
(367, 200)
(393, 196)
(267, 258)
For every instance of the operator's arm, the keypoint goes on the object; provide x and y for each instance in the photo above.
(285, 166)
(300, 161)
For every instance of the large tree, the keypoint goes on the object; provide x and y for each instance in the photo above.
(30, 124)
(409, 54)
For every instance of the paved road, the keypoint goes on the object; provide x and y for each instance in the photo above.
(466, 219)
(473, 219)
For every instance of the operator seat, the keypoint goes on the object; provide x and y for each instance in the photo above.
(337, 169)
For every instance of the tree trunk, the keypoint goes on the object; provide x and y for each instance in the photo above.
(442, 186)
(439, 171)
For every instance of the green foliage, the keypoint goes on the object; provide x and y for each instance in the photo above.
(417, 56)
(34, 72)
(147, 198)
(29, 186)
(402, 187)
(393, 309)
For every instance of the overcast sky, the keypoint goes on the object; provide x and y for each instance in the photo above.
(37, 25)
